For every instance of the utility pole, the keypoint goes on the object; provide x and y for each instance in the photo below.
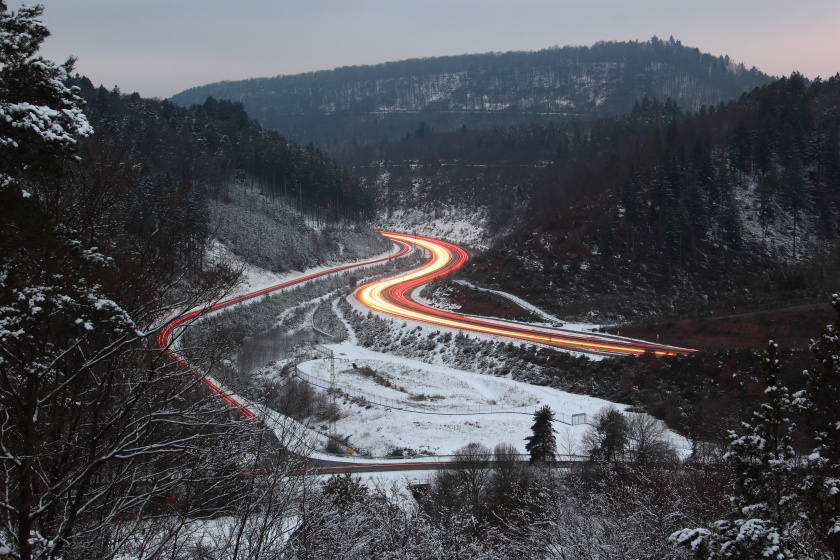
(332, 377)
(333, 406)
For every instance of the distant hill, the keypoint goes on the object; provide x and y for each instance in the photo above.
(373, 104)
(217, 144)
(653, 212)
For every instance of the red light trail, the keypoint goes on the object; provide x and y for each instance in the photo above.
(165, 336)
(390, 296)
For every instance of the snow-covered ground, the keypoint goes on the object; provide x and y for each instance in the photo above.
(446, 393)
(254, 278)
(550, 320)
(458, 225)
(447, 397)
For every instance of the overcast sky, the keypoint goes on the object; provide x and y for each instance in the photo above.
(161, 47)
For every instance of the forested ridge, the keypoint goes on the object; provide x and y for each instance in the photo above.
(656, 211)
(359, 105)
(739, 201)
(216, 143)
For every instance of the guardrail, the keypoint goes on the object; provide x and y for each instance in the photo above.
(353, 393)
(360, 460)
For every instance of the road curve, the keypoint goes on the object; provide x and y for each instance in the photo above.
(167, 333)
(392, 296)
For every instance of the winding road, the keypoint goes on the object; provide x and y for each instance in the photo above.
(393, 296)
(165, 339)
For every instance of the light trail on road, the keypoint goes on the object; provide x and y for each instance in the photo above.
(391, 296)
(166, 334)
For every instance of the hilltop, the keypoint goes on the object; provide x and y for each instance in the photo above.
(359, 105)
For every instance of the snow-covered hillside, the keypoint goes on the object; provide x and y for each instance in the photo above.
(450, 398)
(271, 234)
(462, 225)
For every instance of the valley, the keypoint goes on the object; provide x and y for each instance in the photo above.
(575, 302)
(425, 393)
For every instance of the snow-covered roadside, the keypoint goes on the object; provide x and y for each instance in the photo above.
(428, 327)
(458, 225)
(254, 278)
(379, 431)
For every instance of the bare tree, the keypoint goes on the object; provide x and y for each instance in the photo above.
(568, 444)
(254, 509)
(99, 428)
(647, 440)
(508, 468)
(471, 470)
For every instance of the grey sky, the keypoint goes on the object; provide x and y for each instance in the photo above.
(161, 47)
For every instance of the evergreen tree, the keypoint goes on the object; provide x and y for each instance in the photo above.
(767, 187)
(794, 192)
(542, 444)
(764, 522)
(607, 438)
(40, 116)
(820, 402)
(729, 218)
(631, 201)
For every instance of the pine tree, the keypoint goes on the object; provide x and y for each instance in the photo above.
(607, 438)
(92, 417)
(542, 444)
(820, 403)
(764, 522)
(40, 116)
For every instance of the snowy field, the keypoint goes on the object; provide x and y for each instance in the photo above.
(444, 392)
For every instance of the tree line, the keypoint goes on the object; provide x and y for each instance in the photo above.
(743, 195)
(108, 447)
(356, 106)
(216, 143)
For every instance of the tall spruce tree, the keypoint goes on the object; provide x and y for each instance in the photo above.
(41, 117)
(820, 404)
(542, 445)
(764, 521)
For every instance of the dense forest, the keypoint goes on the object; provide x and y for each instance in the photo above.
(505, 165)
(216, 143)
(739, 199)
(656, 211)
(359, 105)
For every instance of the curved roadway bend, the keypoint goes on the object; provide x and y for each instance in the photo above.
(166, 334)
(391, 296)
